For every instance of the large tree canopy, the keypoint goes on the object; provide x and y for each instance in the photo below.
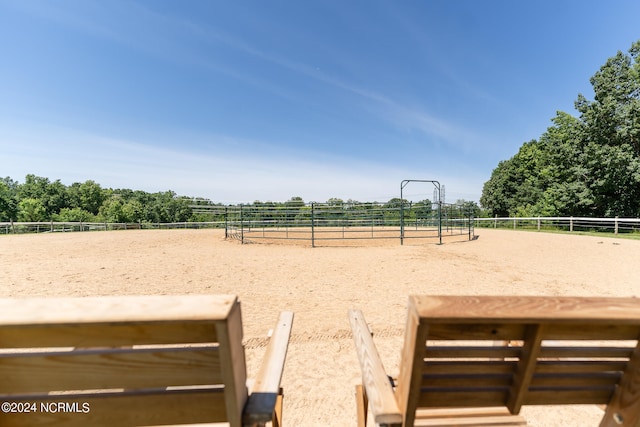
(587, 165)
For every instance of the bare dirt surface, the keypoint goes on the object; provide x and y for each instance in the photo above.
(320, 285)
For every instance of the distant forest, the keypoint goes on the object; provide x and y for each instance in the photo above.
(581, 166)
(40, 199)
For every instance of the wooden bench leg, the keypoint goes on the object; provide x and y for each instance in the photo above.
(362, 403)
(277, 411)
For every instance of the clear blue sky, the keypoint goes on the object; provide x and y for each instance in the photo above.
(264, 100)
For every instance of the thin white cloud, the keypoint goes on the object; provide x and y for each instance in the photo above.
(169, 38)
(74, 156)
(229, 177)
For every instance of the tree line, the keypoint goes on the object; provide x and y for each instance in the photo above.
(40, 199)
(580, 166)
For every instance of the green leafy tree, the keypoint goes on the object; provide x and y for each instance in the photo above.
(8, 200)
(31, 210)
(112, 210)
(613, 117)
(166, 207)
(53, 195)
(88, 196)
(74, 215)
(580, 166)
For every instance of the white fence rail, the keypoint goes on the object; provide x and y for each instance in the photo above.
(52, 226)
(612, 225)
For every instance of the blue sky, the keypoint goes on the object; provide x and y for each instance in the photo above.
(239, 101)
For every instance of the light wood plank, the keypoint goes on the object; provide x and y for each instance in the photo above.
(580, 367)
(232, 359)
(465, 397)
(120, 334)
(480, 352)
(575, 352)
(444, 381)
(379, 392)
(595, 331)
(475, 330)
(526, 368)
(362, 405)
(270, 373)
(528, 309)
(548, 364)
(593, 396)
(475, 421)
(585, 380)
(411, 364)
(625, 404)
(109, 368)
(476, 417)
(471, 367)
(107, 309)
(125, 409)
(266, 388)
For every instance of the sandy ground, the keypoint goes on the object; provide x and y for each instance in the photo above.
(320, 285)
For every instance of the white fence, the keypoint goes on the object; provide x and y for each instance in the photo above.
(52, 226)
(611, 225)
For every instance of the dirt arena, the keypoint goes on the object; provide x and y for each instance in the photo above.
(320, 285)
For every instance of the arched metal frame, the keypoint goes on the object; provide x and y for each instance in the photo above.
(436, 184)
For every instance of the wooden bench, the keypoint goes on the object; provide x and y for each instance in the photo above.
(134, 361)
(492, 355)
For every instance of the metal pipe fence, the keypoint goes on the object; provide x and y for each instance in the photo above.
(316, 223)
(319, 223)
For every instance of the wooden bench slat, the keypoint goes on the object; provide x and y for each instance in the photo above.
(606, 352)
(576, 380)
(578, 367)
(108, 309)
(476, 331)
(232, 357)
(266, 388)
(625, 403)
(553, 396)
(527, 309)
(469, 397)
(514, 332)
(108, 335)
(109, 368)
(474, 421)
(476, 417)
(526, 367)
(494, 351)
(475, 351)
(379, 391)
(595, 332)
(455, 352)
(443, 381)
(472, 367)
(124, 409)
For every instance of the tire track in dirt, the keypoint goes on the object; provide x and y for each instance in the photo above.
(339, 334)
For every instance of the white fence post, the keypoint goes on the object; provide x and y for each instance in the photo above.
(616, 225)
(538, 223)
(571, 224)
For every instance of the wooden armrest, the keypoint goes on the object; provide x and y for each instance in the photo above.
(265, 391)
(382, 400)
